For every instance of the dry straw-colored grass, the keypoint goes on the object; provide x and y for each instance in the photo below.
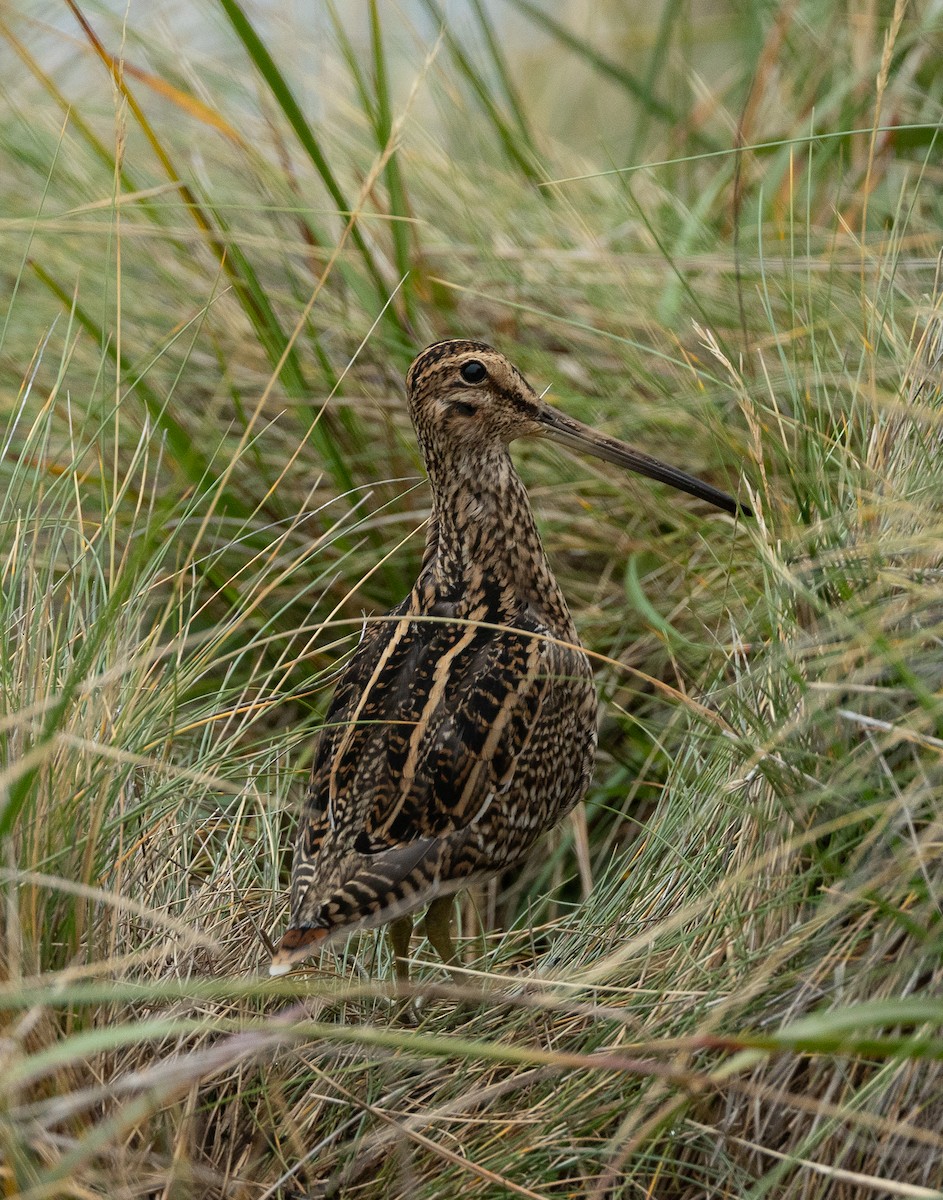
(722, 980)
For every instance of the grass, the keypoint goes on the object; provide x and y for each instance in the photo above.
(716, 236)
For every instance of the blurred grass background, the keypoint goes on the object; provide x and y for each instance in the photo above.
(712, 229)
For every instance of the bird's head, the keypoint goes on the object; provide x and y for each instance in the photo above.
(466, 393)
(465, 399)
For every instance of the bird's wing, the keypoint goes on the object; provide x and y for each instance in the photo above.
(426, 728)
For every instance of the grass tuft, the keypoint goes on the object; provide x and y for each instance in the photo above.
(717, 236)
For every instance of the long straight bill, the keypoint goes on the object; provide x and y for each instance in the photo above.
(560, 428)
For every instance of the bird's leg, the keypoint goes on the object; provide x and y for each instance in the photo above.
(438, 929)
(401, 931)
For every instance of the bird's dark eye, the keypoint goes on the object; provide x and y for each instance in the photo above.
(473, 371)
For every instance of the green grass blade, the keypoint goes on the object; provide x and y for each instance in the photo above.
(629, 82)
(518, 153)
(285, 98)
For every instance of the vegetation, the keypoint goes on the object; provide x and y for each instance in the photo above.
(715, 234)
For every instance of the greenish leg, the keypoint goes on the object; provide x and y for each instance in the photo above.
(401, 931)
(438, 929)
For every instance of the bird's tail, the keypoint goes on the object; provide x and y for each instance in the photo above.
(387, 885)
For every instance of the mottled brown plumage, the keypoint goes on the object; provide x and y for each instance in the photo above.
(466, 728)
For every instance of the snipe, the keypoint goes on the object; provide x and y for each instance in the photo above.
(465, 727)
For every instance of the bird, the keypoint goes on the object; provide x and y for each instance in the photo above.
(464, 725)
